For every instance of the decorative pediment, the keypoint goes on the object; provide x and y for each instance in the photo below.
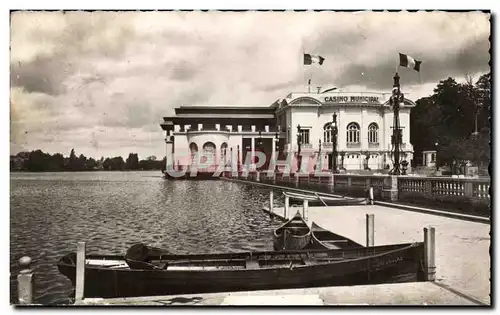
(305, 100)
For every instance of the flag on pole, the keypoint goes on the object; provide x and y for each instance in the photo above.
(310, 59)
(409, 62)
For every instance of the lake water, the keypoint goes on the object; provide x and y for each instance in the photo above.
(51, 212)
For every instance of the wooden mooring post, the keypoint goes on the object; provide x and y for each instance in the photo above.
(271, 201)
(80, 271)
(370, 195)
(305, 209)
(430, 253)
(287, 205)
(370, 230)
(25, 282)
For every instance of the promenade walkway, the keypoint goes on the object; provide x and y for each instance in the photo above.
(421, 293)
(462, 247)
(462, 261)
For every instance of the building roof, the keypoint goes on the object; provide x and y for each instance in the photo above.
(338, 98)
(268, 112)
(225, 106)
(226, 115)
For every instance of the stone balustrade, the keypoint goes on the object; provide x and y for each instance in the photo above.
(466, 194)
(459, 191)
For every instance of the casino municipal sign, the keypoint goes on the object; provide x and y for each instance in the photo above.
(351, 99)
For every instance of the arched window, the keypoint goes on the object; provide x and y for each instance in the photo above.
(373, 133)
(194, 151)
(209, 152)
(353, 133)
(327, 132)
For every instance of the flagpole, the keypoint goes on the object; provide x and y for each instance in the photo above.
(304, 68)
(397, 63)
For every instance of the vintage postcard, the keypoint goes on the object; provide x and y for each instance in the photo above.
(250, 158)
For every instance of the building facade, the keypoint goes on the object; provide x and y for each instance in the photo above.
(230, 135)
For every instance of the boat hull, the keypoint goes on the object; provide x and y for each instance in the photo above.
(288, 241)
(401, 265)
(294, 234)
(314, 201)
(339, 202)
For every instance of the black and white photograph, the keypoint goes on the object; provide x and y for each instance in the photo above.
(250, 158)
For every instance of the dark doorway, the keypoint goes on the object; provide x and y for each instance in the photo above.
(330, 161)
(266, 147)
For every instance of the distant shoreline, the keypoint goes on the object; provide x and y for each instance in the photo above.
(83, 171)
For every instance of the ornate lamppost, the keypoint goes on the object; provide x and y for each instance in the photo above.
(334, 143)
(396, 98)
(276, 149)
(342, 156)
(238, 157)
(319, 161)
(367, 159)
(404, 166)
(299, 144)
(232, 161)
(259, 147)
(436, 156)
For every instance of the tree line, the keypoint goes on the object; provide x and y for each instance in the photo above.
(38, 161)
(455, 122)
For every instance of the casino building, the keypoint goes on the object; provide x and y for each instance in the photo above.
(232, 134)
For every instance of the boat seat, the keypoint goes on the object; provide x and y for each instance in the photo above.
(252, 264)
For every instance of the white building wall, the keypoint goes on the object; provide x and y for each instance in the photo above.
(363, 116)
(341, 122)
(181, 149)
(306, 117)
(404, 119)
(289, 124)
(389, 116)
(352, 114)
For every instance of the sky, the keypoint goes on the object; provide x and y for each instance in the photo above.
(100, 82)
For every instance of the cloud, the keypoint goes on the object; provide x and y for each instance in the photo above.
(102, 81)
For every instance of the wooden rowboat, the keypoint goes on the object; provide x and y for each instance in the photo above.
(318, 200)
(111, 276)
(324, 239)
(297, 196)
(294, 234)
